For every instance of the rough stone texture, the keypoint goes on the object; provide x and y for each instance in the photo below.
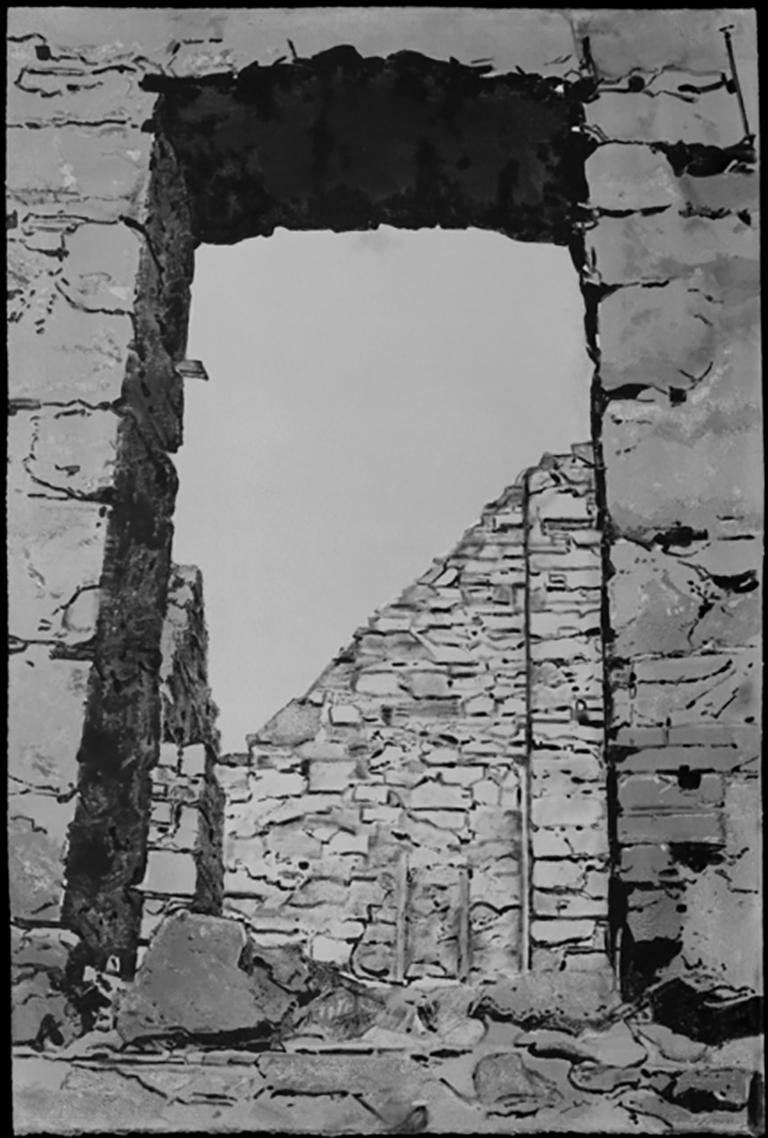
(390, 815)
(184, 843)
(100, 252)
(196, 981)
(541, 1081)
(673, 261)
(184, 864)
(404, 141)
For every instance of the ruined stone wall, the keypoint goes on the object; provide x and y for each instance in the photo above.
(184, 844)
(100, 259)
(393, 815)
(568, 775)
(671, 270)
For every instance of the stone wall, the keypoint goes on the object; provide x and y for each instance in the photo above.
(184, 844)
(55, 989)
(100, 244)
(434, 806)
(672, 277)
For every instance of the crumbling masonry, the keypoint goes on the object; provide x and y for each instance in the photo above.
(435, 805)
(136, 134)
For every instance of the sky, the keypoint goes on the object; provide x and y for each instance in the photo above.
(368, 394)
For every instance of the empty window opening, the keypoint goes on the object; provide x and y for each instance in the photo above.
(369, 393)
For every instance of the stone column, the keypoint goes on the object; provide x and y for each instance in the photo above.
(672, 269)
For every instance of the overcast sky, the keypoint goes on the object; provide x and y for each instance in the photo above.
(369, 393)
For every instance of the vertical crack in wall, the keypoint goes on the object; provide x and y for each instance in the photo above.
(526, 842)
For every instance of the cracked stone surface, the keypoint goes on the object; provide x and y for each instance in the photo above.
(418, 1087)
(107, 676)
(378, 817)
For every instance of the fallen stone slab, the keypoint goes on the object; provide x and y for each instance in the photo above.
(336, 1072)
(503, 1081)
(704, 1016)
(670, 1044)
(645, 1104)
(703, 1089)
(199, 981)
(560, 1000)
(615, 1047)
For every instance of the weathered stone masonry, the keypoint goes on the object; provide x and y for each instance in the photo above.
(434, 806)
(104, 210)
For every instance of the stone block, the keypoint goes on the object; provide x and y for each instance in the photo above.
(486, 793)
(379, 684)
(387, 816)
(193, 761)
(559, 874)
(368, 793)
(278, 784)
(100, 272)
(56, 96)
(706, 827)
(667, 792)
(704, 1088)
(460, 775)
(345, 843)
(570, 841)
(662, 604)
(38, 826)
(651, 249)
(100, 171)
(434, 795)
(55, 553)
(626, 40)
(582, 807)
(645, 864)
(169, 755)
(662, 332)
(663, 116)
(684, 488)
(630, 178)
(331, 950)
(429, 685)
(170, 873)
(198, 978)
(336, 775)
(734, 189)
(561, 772)
(344, 714)
(722, 926)
(81, 356)
(498, 891)
(479, 705)
(562, 931)
(567, 906)
(47, 700)
(697, 688)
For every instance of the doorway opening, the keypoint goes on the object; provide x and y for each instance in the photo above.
(369, 393)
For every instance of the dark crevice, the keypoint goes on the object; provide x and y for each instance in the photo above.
(702, 161)
(700, 1016)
